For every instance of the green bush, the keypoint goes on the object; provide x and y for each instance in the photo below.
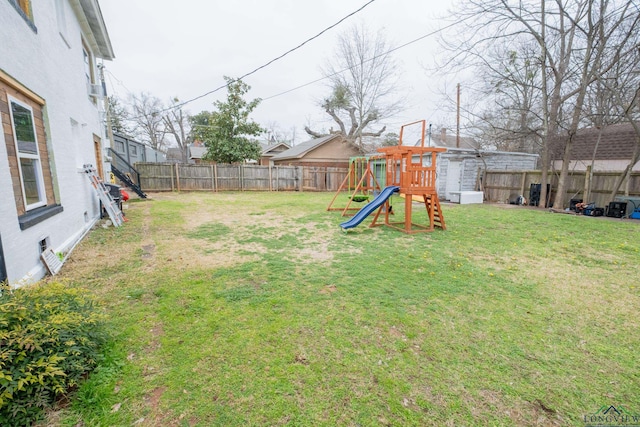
(50, 337)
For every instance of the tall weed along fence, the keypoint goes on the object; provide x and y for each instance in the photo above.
(242, 177)
(499, 186)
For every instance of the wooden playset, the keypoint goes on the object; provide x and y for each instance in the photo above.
(364, 180)
(411, 171)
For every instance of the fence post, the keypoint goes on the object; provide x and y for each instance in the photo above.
(241, 177)
(270, 178)
(300, 178)
(178, 177)
(213, 187)
(171, 169)
(523, 181)
(215, 176)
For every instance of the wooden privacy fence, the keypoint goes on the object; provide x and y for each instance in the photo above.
(500, 186)
(224, 177)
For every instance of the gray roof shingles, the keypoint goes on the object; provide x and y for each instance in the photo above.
(301, 149)
(617, 143)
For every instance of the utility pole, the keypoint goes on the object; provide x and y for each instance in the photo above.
(458, 119)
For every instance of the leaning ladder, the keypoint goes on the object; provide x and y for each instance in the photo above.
(109, 204)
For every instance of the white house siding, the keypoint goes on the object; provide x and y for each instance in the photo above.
(53, 68)
(471, 164)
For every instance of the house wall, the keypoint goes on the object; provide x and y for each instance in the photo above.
(52, 67)
(140, 152)
(335, 153)
(153, 156)
(598, 165)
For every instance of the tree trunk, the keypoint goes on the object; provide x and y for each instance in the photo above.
(626, 173)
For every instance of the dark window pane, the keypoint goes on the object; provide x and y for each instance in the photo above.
(25, 133)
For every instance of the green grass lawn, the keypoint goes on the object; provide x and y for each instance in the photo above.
(255, 309)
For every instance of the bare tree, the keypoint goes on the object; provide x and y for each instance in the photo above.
(148, 122)
(275, 133)
(177, 124)
(363, 78)
(575, 40)
(509, 85)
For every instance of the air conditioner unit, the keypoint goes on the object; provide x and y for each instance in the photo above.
(95, 90)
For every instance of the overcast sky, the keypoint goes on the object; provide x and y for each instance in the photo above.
(185, 48)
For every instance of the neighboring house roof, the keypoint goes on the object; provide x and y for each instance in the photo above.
(617, 142)
(101, 43)
(274, 148)
(443, 139)
(197, 152)
(299, 151)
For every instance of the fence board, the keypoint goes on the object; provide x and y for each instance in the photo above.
(224, 177)
(499, 186)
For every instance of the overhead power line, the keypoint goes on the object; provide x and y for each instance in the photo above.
(432, 33)
(267, 63)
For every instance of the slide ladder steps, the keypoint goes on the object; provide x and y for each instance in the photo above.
(433, 208)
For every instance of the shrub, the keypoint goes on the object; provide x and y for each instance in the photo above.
(50, 337)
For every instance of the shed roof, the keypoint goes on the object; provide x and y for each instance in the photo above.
(444, 139)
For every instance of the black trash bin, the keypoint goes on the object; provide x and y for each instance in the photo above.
(114, 191)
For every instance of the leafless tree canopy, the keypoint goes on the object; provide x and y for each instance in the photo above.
(363, 78)
(176, 123)
(147, 118)
(541, 64)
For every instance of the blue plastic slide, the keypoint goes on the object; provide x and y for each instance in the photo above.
(370, 207)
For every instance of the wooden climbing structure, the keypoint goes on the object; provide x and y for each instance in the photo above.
(413, 169)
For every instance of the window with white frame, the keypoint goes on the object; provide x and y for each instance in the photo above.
(23, 124)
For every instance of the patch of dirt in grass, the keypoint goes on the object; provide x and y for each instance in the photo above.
(189, 253)
(153, 399)
(156, 332)
(87, 258)
(519, 412)
(156, 416)
(219, 212)
(329, 289)
(148, 245)
(319, 252)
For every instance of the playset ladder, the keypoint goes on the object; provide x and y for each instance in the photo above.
(435, 211)
(109, 204)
